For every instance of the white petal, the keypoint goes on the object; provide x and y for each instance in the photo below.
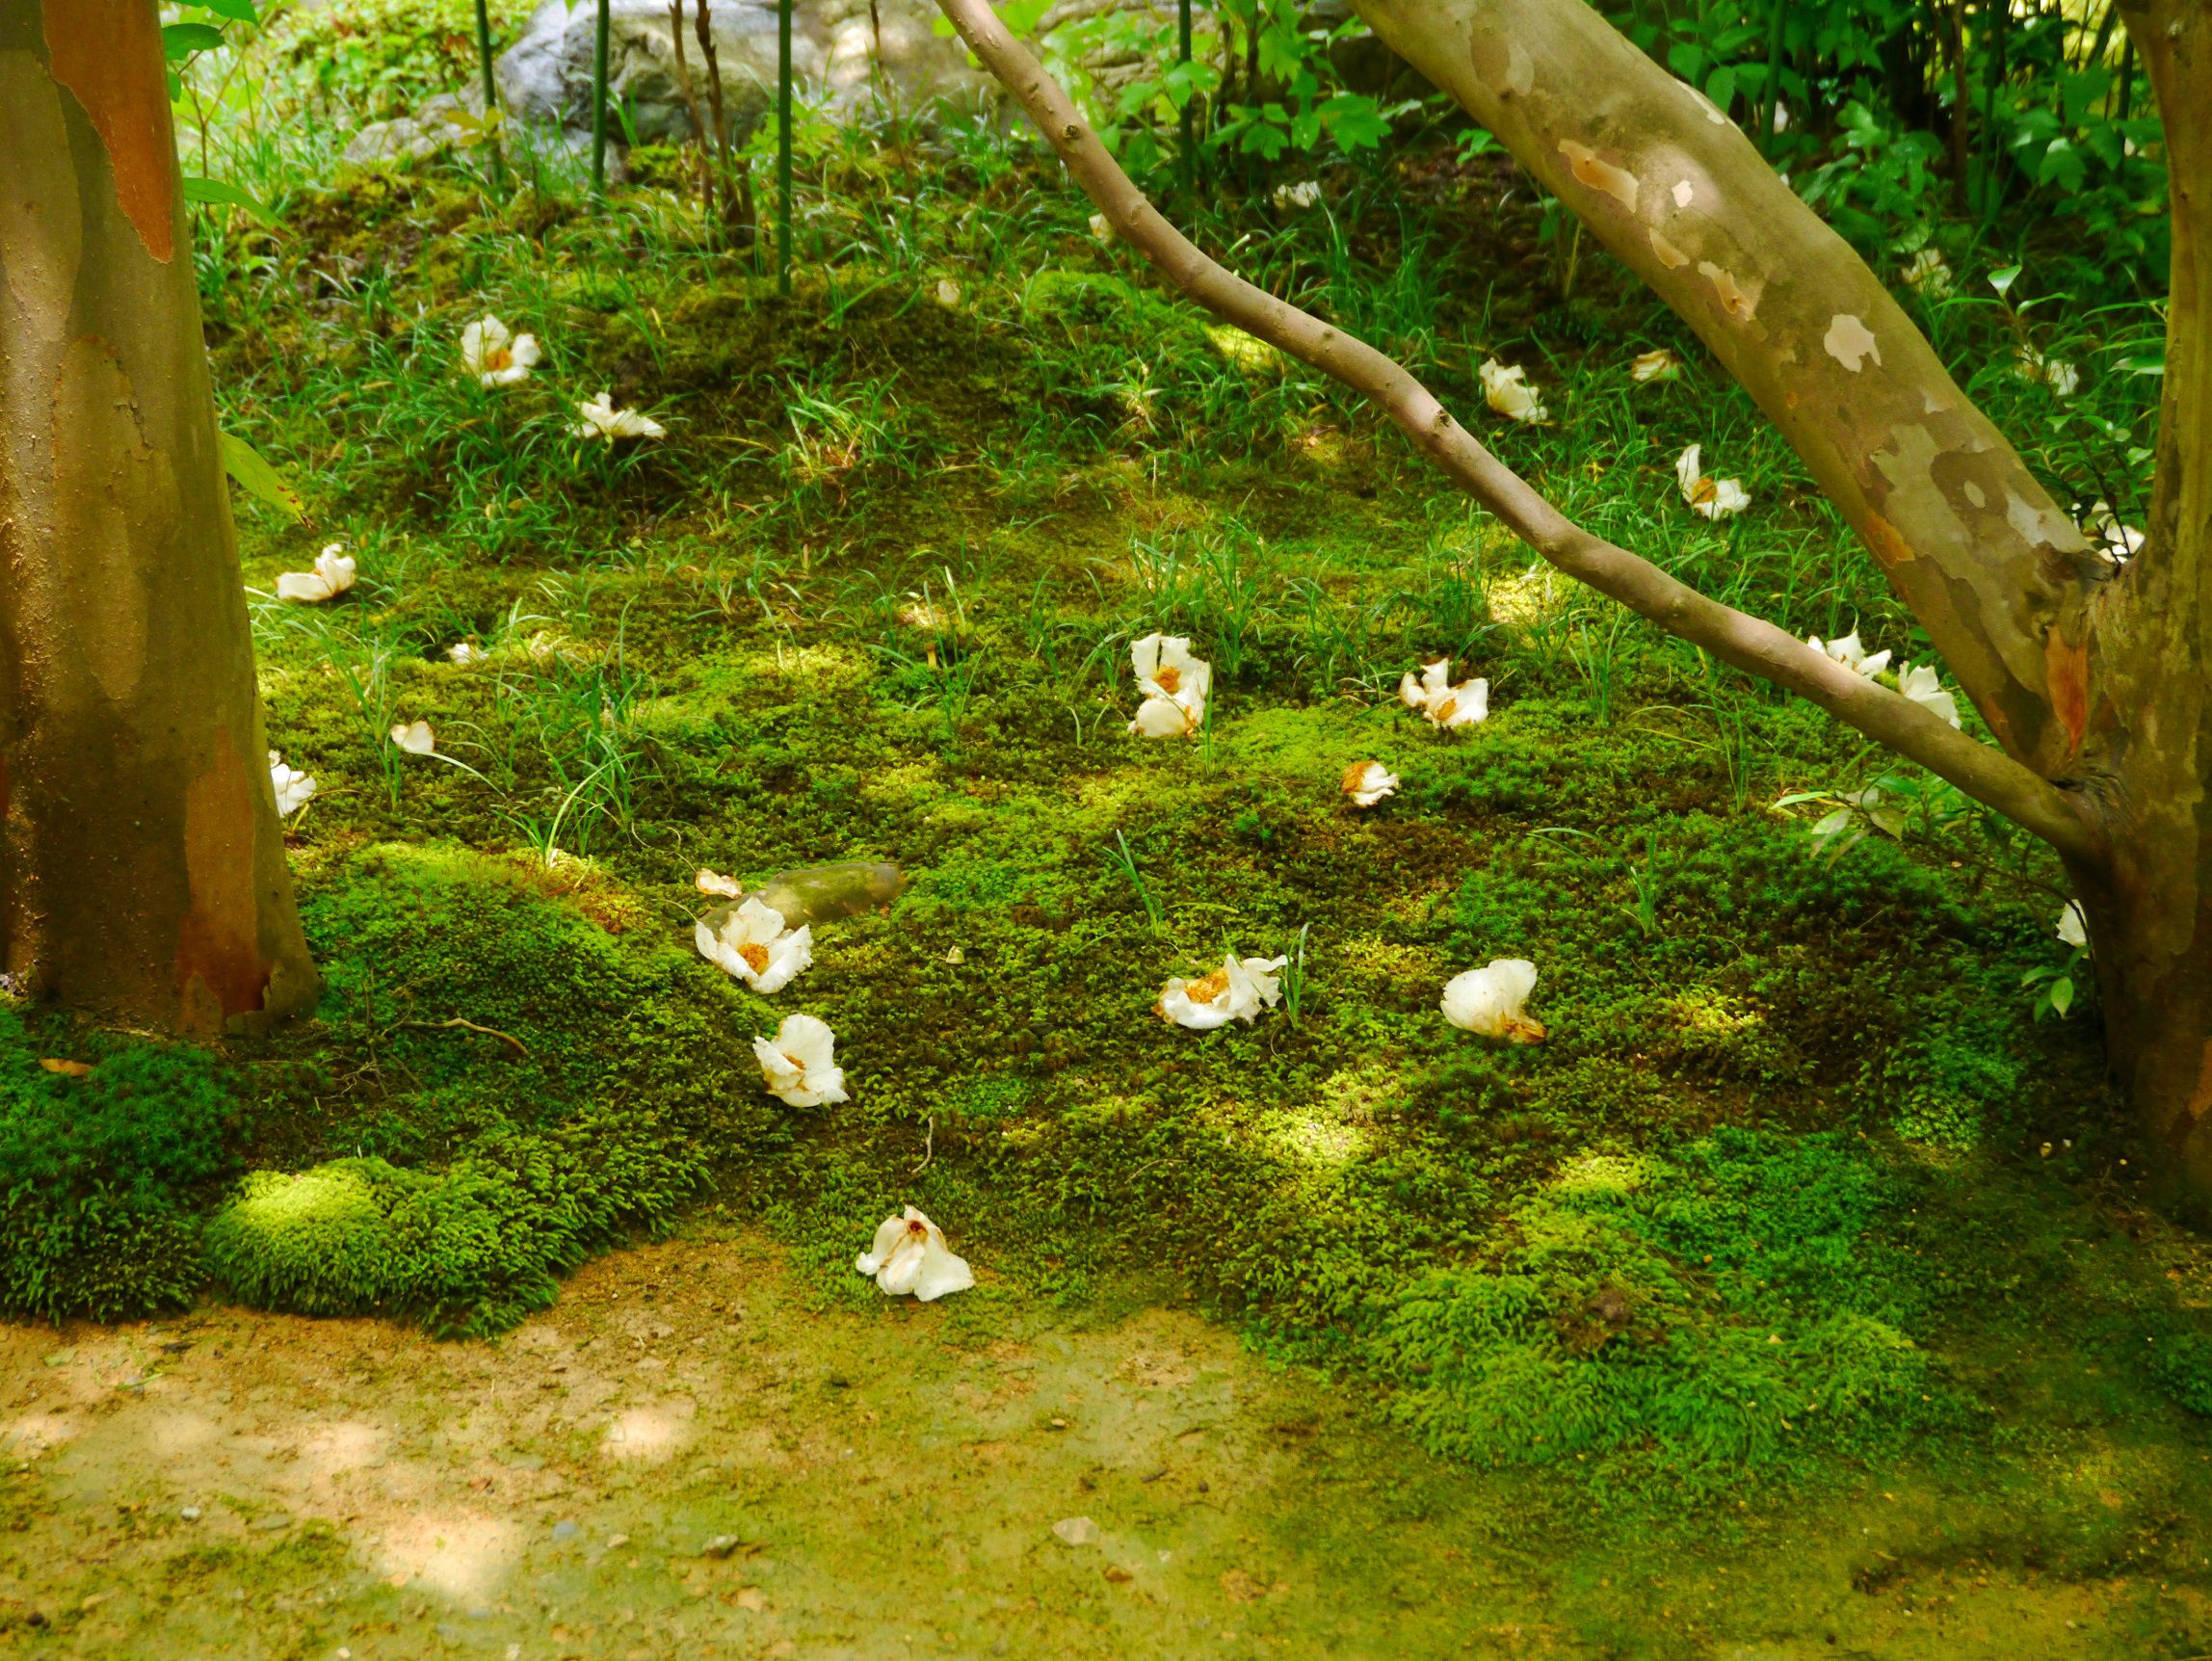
(1264, 976)
(525, 351)
(1161, 718)
(2073, 926)
(415, 738)
(889, 1233)
(941, 1272)
(1462, 705)
(1177, 1004)
(808, 1041)
(1488, 1000)
(1410, 692)
(1687, 472)
(307, 587)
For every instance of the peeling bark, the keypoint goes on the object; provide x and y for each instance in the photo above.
(142, 867)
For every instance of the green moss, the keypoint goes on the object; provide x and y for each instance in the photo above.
(100, 1175)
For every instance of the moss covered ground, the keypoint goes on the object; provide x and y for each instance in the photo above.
(1799, 1195)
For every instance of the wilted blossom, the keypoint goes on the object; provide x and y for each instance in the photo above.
(1102, 228)
(1929, 274)
(602, 420)
(1174, 685)
(1659, 365)
(800, 1063)
(495, 358)
(1444, 705)
(1506, 389)
(1851, 654)
(1714, 498)
(1303, 194)
(947, 294)
(2117, 541)
(415, 737)
(2056, 373)
(293, 787)
(1367, 782)
(1236, 992)
(751, 944)
(1923, 688)
(466, 653)
(909, 1255)
(711, 882)
(1490, 1000)
(2073, 926)
(332, 575)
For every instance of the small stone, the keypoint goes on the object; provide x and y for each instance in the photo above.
(566, 1530)
(527, 1462)
(616, 1542)
(1117, 1575)
(273, 1521)
(448, 1630)
(190, 1514)
(1076, 1531)
(720, 1546)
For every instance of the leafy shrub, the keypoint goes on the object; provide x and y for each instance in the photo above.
(97, 1177)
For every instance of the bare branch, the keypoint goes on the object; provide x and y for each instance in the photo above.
(1748, 643)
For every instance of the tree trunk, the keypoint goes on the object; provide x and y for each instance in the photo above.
(2150, 725)
(142, 867)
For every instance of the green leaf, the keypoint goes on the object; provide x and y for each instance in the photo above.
(220, 195)
(2002, 280)
(237, 11)
(1020, 16)
(179, 41)
(2062, 993)
(253, 470)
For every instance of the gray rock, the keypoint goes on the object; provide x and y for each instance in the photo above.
(545, 77)
(440, 124)
(564, 1531)
(720, 1546)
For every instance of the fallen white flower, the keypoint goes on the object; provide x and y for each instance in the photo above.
(2118, 543)
(1303, 194)
(712, 881)
(1102, 228)
(602, 420)
(1714, 498)
(1175, 684)
(415, 737)
(1367, 782)
(948, 294)
(1488, 1000)
(466, 653)
(1507, 391)
(495, 358)
(753, 944)
(909, 1254)
(1444, 705)
(1923, 688)
(1929, 274)
(800, 1063)
(2056, 373)
(2073, 926)
(332, 575)
(1236, 992)
(1659, 365)
(293, 787)
(1851, 654)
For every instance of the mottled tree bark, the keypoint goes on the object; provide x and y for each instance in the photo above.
(2092, 679)
(142, 867)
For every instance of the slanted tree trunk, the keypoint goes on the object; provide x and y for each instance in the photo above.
(2092, 678)
(142, 869)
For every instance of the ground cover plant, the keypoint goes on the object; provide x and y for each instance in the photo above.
(1812, 1175)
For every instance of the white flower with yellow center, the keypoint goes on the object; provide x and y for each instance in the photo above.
(294, 788)
(1851, 654)
(1490, 1000)
(1442, 703)
(752, 942)
(493, 355)
(1714, 498)
(1367, 782)
(602, 420)
(1236, 992)
(909, 1255)
(1175, 684)
(800, 1063)
(1506, 390)
(1923, 688)
(332, 577)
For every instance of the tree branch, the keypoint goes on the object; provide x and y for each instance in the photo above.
(1748, 643)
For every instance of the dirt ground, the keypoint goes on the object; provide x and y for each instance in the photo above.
(683, 1460)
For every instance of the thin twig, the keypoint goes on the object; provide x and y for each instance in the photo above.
(1747, 642)
(520, 1048)
(928, 1145)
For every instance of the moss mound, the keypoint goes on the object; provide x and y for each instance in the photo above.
(100, 1175)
